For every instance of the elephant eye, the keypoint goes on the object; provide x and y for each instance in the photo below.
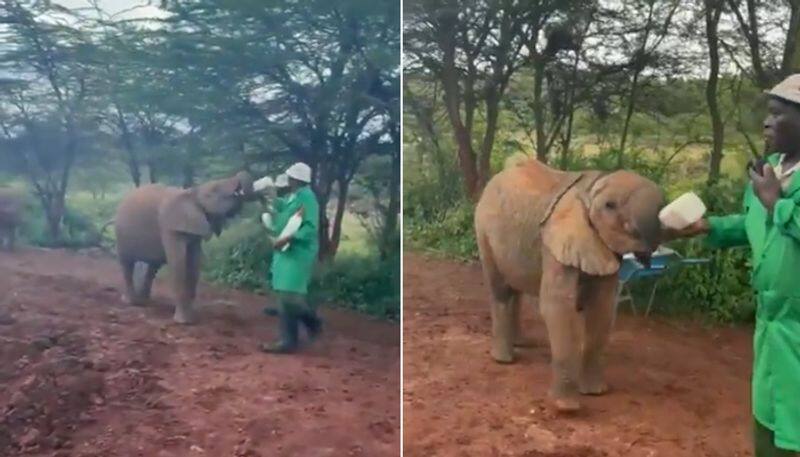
(611, 205)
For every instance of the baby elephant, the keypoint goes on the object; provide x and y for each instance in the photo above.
(157, 224)
(559, 236)
(11, 203)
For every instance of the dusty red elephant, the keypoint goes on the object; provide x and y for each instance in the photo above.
(559, 236)
(158, 224)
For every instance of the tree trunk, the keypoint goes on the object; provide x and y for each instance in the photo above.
(713, 10)
(341, 205)
(628, 116)
(323, 192)
(188, 175)
(538, 110)
(791, 52)
(492, 115)
(749, 27)
(466, 154)
(127, 143)
(53, 206)
(152, 172)
(393, 209)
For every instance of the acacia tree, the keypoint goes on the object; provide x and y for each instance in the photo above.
(474, 49)
(757, 24)
(49, 114)
(320, 80)
(712, 11)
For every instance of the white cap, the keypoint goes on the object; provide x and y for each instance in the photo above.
(282, 180)
(300, 172)
(788, 89)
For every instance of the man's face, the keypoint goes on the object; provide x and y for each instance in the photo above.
(282, 191)
(782, 127)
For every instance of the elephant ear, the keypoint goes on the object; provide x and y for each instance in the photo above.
(181, 213)
(569, 236)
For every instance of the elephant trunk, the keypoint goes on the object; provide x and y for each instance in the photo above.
(645, 217)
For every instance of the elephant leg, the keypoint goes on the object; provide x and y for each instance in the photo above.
(128, 267)
(520, 340)
(12, 235)
(598, 298)
(504, 302)
(147, 284)
(558, 305)
(193, 261)
(503, 326)
(5, 238)
(177, 248)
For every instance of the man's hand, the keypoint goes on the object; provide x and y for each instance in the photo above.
(767, 187)
(279, 244)
(698, 228)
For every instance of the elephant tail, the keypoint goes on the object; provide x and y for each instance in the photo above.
(515, 160)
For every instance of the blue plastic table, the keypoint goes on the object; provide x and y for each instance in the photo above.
(663, 260)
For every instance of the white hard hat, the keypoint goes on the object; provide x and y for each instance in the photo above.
(300, 172)
(282, 180)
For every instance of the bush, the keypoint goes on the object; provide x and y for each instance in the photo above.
(366, 284)
(78, 230)
(241, 258)
(451, 231)
(720, 290)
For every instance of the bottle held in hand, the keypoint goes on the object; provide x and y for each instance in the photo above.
(292, 226)
(682, 212)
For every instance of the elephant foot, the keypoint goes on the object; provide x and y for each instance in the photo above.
(593, 385)
(565, 404)
(183, 317)
(524, 342)
(503, 355)
(134, 300)
(592, 380)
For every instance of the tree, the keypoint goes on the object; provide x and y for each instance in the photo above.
(712, 10)
(48, 116)
(319, 79)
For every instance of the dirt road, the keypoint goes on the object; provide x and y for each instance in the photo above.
(82, 374)
(678, 390)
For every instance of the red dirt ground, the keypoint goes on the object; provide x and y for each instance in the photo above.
(83, 374)
(678, 389)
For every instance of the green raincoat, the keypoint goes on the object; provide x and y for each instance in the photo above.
(775, 244)
(292, 268)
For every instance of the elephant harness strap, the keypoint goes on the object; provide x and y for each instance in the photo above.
(590, 178)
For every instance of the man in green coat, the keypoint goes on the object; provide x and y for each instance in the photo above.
(293, 262)
(770, 225)
(277, 220)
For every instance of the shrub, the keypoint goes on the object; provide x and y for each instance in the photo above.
(450, 231)
(241, 258)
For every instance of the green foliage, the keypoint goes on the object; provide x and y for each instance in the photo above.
(356, 280)
(450, 231)
(366, 284)
(240, 257)
(80, 230)
(720, 290)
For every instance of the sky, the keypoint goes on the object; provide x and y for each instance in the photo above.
(124, 9)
